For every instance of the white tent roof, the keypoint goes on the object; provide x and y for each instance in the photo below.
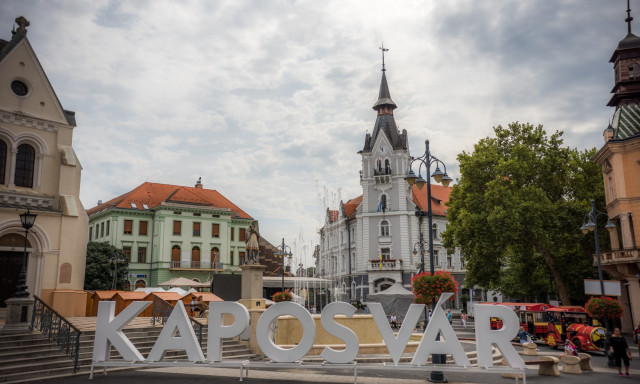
(179, 282)
(394, 290)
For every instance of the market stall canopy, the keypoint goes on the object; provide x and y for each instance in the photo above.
(395, 299)
(179, 282)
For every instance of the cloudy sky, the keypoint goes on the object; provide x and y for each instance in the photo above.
(269, 101)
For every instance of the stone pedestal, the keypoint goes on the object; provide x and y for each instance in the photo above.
(254, 316)
(19, 312)
(251, 293)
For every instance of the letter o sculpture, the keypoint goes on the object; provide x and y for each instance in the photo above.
(267, 345)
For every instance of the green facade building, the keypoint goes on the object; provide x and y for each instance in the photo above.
(171, 231)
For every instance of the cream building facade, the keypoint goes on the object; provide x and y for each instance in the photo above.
(620, 162)
(39, 172)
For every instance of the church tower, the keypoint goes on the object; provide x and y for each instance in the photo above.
(384, 223)
(620, 162)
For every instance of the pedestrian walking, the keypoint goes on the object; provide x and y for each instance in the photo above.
(620, 351)
(463, 319)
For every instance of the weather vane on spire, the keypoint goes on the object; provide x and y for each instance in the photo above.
(628, 19)
(383, 49)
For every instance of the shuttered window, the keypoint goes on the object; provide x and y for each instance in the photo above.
(242, 234)
(143, 228)
(177, 227)
(196, 229)
(127, 253)
(232, 236)
(142, 254)
(241, 258)
(215, 230)
(175, 253)
(128, 227)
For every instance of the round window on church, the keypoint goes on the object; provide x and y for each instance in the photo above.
(19, 88)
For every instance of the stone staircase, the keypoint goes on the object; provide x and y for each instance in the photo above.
(32, 357)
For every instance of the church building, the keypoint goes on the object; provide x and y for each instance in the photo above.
(39, 174)
(372, 241)
(620, 162)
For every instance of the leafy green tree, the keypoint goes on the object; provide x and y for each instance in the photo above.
(99, 270)
(311, 271)
(517, 209)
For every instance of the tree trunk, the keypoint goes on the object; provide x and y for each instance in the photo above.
(562, 290)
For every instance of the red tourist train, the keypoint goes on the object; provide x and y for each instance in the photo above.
(554, 325)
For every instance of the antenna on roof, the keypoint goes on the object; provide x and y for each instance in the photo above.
(629, 18)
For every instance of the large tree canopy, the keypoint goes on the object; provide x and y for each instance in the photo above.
(99, 270)
(516, 212)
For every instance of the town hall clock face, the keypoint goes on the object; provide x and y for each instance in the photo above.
(382, 149)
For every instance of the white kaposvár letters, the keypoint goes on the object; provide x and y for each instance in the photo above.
(396, 346)
(485, 337)
(109, 331)
(450, 345)
(275, 352)
(340, 331)
(177, 323)
(218, 331)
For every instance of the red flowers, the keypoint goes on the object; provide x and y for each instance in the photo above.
(604, 307)
(428, 288)
(282, 296)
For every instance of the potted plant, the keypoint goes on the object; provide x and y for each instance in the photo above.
(428, 287)
(282, 296)
(604, 307)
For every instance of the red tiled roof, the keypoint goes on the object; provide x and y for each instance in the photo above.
(351, 206)
(439, 196)
(154, 194)
(333, 215)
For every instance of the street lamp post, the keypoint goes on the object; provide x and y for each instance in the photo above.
(115, 260)
(26, 219)
(283, 251)
(589, 225)
(427, 160)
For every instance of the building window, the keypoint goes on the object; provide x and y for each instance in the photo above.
(385, 253)
(177, 213)
(215, 230)
(195, 257)
(634, 71)
(387, 167)
(384, 228)
(232, 235)
(108, 226)
(142, 254)
(449, 261)
(382, 206)
(197, 214)
(143, 228)
(90, 232)
(3, 160)
(611, 189)
(102, 229)
(175, 256)
(436, 260)
(127, 253)
(231, 257)
(241, 235)
(141, 284)
(177, 227)
(128, 227)
(196, 229)
(434, 229)
(241, 254)
(25, 160)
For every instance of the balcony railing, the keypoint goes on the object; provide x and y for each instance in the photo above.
(619, 256)
(196, 265)
(385, 265)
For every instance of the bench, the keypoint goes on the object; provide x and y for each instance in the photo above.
(547, 366)
(576, 364)
(530, 349)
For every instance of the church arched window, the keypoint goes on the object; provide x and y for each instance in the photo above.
(3, 160)
(434, 228)
(384, 228)
(25, 161)
(387, 167)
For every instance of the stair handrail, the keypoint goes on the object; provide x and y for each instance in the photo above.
(57, 329)
(161, 311)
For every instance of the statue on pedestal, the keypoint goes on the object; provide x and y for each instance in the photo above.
(252, 245)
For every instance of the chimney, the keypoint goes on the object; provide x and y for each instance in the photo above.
(199, 183)
(99, 202)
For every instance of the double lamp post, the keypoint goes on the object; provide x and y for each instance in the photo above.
(283, 251)
(427, 160)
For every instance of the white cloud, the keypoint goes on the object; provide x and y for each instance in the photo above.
(269, 101)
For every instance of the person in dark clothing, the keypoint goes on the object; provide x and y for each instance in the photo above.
(621, 352)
